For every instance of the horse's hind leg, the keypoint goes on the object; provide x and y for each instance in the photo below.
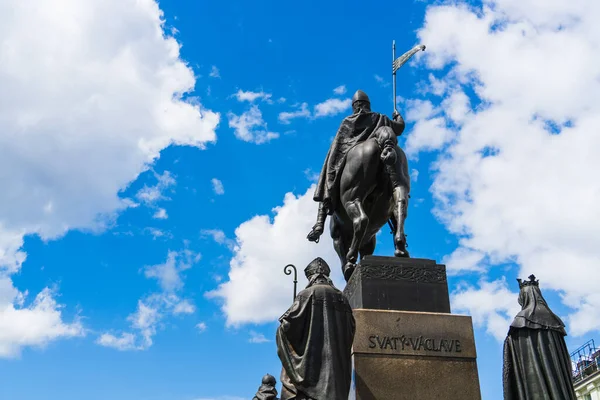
(360, 223)
(368, 247)
(357, 181)
(340, 242)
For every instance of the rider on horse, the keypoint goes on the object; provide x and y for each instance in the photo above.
(354, 129)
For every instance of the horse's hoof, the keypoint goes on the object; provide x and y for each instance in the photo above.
(315, 234)
(313, 238)
(403, 254)
(348, 271)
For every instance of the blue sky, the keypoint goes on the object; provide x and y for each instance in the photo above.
(158, 163)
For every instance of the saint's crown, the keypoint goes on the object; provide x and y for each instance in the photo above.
(530, 282)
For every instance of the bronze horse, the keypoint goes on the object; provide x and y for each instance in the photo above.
(374, 190)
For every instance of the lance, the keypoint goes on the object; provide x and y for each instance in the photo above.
(400, 61)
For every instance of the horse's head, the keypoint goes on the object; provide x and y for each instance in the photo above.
(386, 137)
(387, 141)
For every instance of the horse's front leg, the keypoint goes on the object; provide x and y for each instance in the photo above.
(400, 211)
(397, 171)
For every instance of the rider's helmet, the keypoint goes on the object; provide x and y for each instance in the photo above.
(360, 96)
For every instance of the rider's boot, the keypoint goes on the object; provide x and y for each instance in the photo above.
(317, 229)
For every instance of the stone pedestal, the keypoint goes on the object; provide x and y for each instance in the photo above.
(392, 283)
(407, 344)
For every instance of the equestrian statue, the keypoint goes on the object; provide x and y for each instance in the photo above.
(365, 181)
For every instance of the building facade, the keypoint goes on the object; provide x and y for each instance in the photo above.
(586, 371)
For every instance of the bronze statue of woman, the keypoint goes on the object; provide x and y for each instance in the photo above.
(536, 360)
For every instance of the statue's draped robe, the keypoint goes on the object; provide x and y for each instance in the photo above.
(536, 360)
(315, 349)
(354, 129)
(266, 392)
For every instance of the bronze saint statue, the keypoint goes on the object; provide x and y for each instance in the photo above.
(364, 184)
(267, 390)
(536, 360)
(314, 340)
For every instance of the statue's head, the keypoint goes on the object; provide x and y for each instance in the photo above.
(530, 293)
(269, 380)
(318, 267)
(534, 308)
(360, 102)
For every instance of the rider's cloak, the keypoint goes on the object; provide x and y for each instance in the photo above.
(536, 360)
(354, 129)
(314, 343)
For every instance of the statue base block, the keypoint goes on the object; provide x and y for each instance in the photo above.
(404, 355)
(393, 283)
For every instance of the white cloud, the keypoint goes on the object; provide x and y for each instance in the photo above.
(168, 273)
(154, 308)
(257, 290)
(457, 106)
(427, 135)
(511, 188)
(492, 306)
(585, 319)
(414, 175)
(311, 175)
(287, 116)
(36, 324)
(340, 90)
(125, 342)
(157, 233)
(202, 327)
(250, 126)
(144, 323)
(465, 259)
(81, 119)
(218, 236)
(218, 187)
(214, 72)
(429, 131)
(326, 108)
(381, 81)
(151, 195)
(332, 107)
(257, 338)
(245, 123)
(184, 307)
(250, 96)
(161, 213)
(145, 320)
(436, 86)
(418, 109)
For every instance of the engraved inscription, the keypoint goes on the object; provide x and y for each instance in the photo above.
(415, 343)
